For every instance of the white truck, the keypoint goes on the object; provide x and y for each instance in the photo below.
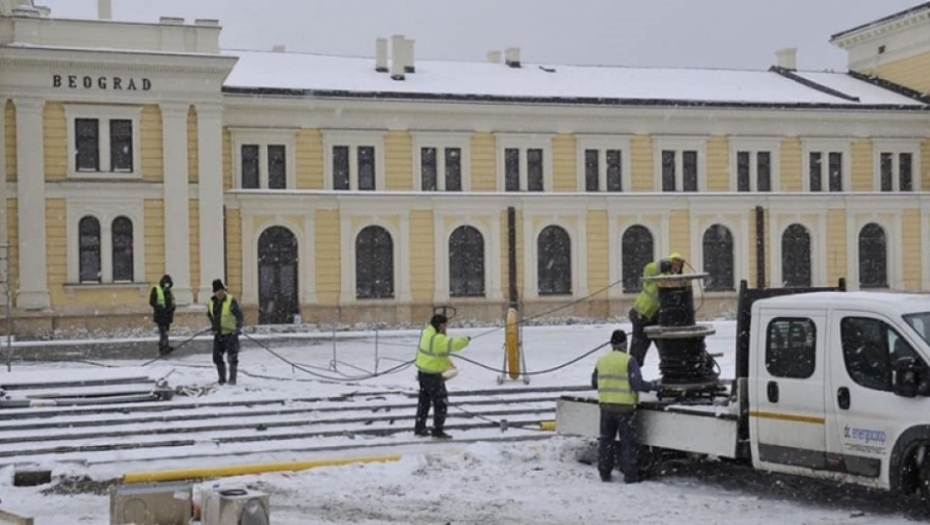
(829, 384)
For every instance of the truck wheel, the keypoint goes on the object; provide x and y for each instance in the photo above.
(923, 485)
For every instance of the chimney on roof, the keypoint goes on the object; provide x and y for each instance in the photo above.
(278, 48)
(104, 9)
(381, 55)
(494, 57)
(397, 57)
(787, 58)
(512, 56)
(409, 56)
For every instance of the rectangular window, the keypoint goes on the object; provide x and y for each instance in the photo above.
(591, 170)
(668, 170)
(366, 168)
(340, 167)
(512, 169)
(453, 169)
(764, 171)
(428, 169)
(887, 171)
(689, 171)
(905, 169)
(277, 167)
(790, 348)
(836, 171)
(534, 169)
(121, 145)
(614, 170)
(742, 171)
(87, 144)
(250, 177)
(816, 161)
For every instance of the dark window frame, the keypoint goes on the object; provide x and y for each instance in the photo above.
(342, 167)
(719, 260)
(86, 144)
(89, 250)
(121, 234)
(796, 266)
(121, 139)
(791, 347)
(250, 158)
(277, 166)
(374, 264)
(553, 261)
(873, 256)
(466, 263)
(637, 250)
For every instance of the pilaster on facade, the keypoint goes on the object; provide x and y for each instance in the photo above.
(177, 211)
(33, 291)
(210, 197)
(4, 190)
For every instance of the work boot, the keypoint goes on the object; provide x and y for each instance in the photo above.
(421, 432)
(232, 373)
(221, 372)
(439, 434)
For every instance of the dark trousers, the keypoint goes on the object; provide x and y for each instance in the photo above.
(640, 344)
(432, 391)
(163, 346)
(612, 422)
(226, 344)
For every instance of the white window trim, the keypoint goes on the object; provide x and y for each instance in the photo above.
(778, 225)
(352, 223)
(264, 137)
(441, 141)
(755, 145)
(353, 139)
(104, 114)
(896, 147)
(577, 235)
(825, 146)
(658, 230)
(524, 142)
(254, 224)
(602, 143)
(739, 231)
(490, 233)
(894, 263)
(680, 144)
(105, 210)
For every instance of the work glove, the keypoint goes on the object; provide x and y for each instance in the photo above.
(468, 338)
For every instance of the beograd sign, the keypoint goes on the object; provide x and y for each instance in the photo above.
(107, 83)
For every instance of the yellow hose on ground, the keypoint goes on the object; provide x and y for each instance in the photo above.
(219, 472)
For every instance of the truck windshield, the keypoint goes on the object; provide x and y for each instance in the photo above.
(920, 322)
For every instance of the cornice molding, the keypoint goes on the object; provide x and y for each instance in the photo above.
(866, 34)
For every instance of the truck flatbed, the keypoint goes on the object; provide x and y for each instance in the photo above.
(706, 428)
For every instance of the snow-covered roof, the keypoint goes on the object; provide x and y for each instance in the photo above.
(300, 74)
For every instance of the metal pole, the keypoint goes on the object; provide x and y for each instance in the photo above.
(376, 350)
(9, 309)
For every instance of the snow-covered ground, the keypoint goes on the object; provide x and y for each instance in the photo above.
(537, 482)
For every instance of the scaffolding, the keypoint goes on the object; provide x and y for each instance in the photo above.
(6, 295)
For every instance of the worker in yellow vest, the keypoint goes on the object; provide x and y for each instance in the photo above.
(226, 320)
(432, 360)
(162, 302)
(645, 312)
(618, 380)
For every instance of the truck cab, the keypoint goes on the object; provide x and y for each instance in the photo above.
(838, 387)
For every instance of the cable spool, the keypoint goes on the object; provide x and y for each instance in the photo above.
(512, 343)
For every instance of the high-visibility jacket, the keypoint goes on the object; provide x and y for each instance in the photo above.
(613, 380)
(228, 323)
(647, 304)
(434, 350)
(160, 295)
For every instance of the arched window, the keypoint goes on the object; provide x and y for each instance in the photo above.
(554, 262)
(718, 257)
(466, 263)
(374, 264)
(637, 251)
(122, 250)
(873, 257)
(89, 249)
(795, 256)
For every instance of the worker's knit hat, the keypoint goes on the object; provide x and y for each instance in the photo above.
(618, 340)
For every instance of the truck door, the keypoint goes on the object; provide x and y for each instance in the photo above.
(865, 415)
(787, 404)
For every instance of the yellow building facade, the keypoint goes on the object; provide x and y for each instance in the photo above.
(333, 191)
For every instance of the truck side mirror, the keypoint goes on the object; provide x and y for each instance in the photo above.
(904, 380)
